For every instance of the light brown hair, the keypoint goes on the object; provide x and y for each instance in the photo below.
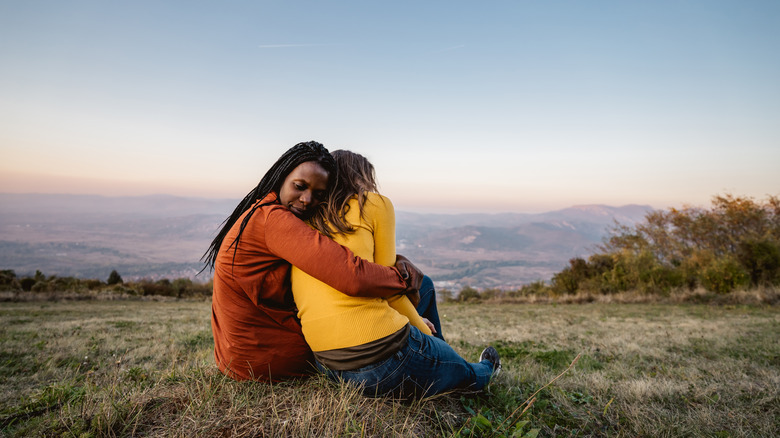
(355, 177)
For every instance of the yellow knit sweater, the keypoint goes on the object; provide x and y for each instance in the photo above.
(332, 320)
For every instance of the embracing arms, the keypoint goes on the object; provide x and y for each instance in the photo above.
(291, 239)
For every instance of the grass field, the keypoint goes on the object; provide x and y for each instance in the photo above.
(145, 368)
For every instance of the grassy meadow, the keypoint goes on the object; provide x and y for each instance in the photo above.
(145, 368)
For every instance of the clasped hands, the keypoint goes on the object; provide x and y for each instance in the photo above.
(412, 276)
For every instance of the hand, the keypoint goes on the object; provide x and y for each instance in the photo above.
(414, 297)
(430, 325)
(411, 275)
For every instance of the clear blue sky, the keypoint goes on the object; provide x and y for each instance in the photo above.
(462, 106)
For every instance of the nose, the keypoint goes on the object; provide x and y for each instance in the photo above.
(305, 198)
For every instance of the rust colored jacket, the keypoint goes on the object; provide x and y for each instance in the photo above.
(256, 333)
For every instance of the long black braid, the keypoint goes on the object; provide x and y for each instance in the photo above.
(271, 182)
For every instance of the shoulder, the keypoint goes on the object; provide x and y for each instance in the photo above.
(378, 201)
(379, 209)
(270, 204)
(277, 217)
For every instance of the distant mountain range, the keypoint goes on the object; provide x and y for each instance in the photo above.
(164, 236)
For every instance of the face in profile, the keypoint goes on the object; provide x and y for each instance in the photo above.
(304, 188)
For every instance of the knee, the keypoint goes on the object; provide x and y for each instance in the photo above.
(427, 285)
(427, 292)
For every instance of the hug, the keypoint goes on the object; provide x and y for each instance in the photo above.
(306, 279)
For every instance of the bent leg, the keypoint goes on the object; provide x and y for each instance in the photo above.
(424, 366)
(427, 305)
(433, 367)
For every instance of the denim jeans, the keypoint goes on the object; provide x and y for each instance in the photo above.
(424, 366)
(427, 305)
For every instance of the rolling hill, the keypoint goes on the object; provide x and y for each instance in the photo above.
(164, 236)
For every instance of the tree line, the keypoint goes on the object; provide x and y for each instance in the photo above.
(114, 284)
(734, 244)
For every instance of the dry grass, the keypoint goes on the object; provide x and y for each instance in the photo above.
(768, 295)
(653, 370)
(139, 368)
(135, 368)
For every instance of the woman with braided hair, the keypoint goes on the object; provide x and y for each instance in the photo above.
(256, 333)
(380, 344)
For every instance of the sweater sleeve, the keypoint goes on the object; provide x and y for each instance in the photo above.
(289, 238)
(381, 214)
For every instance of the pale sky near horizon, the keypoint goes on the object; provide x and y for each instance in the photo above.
(520, 106)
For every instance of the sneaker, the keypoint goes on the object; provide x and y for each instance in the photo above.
(490, 354)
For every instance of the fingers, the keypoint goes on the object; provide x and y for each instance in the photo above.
(412, 276)
(430, 325)
(401, 264)
(415, 276)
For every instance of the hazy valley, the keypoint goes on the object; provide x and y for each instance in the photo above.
(164, 236)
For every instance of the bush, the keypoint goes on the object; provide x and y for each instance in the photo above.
(58, 284)
(445, 295)
(736, 241)
(93, 284)
(692, 268)
(535, 288)
(600, 264)
(491, 294)
(162, 287)
(114, 278)
(180, 287)
(27, 283)
(761, 259)
(724, 275)
(125, 289)
(660, 279)
(468, 294)
(8, 280)
(568, 280)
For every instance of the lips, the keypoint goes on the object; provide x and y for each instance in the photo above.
(298, 211)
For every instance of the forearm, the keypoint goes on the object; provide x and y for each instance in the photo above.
(403, 306)
(331, 263)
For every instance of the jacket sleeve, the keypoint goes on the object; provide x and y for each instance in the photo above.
(289, 238)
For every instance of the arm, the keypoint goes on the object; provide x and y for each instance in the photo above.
(291, 239)
(384, 253)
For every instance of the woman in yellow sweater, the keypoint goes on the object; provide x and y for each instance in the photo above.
(381, 344)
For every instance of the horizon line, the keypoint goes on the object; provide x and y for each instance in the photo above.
(408, 209)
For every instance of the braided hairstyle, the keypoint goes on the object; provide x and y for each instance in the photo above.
(355, 177)
(271, 182)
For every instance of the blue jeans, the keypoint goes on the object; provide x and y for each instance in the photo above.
(427, 305)
(424, 366)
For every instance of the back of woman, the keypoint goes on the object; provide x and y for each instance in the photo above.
(256, 334)
(347, 332)
(383, 345)
(332, 320)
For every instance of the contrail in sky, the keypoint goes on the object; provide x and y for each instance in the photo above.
(449, 49)
(279, 46)
(460, 46)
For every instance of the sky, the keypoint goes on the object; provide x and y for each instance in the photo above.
(462, 106)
